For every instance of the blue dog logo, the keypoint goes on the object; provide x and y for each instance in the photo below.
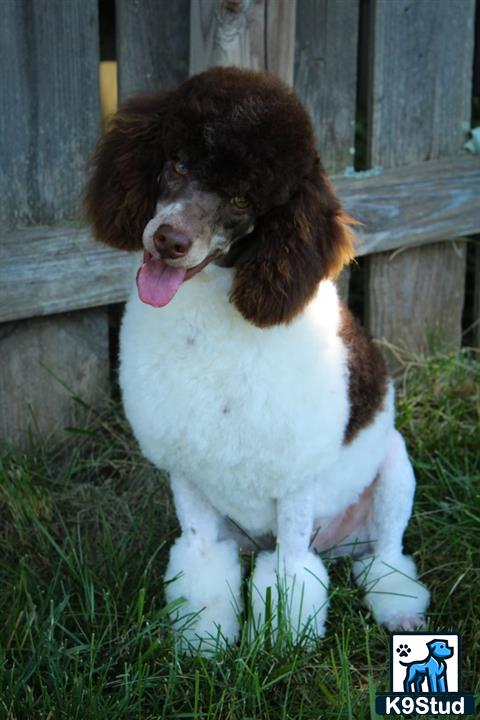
(433, 668)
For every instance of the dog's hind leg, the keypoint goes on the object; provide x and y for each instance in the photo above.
(204, 572)
(392, 592)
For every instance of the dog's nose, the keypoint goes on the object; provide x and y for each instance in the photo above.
(170, 242)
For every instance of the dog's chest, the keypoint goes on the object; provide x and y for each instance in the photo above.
(243, 412)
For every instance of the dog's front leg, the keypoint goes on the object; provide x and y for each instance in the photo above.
(204, 572)
(296, 576)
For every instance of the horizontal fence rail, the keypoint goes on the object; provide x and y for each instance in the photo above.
(49, 270)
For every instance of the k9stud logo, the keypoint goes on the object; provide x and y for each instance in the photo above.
(425, 677)
(425, 663)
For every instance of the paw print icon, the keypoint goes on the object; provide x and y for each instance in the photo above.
(403, 650)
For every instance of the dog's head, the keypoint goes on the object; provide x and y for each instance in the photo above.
(222, 169)
(440, 649)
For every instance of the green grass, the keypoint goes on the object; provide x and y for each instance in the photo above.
(85, 529)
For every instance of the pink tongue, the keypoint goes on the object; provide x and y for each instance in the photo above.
(157, 282)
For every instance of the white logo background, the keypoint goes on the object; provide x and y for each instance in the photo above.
(417, 642)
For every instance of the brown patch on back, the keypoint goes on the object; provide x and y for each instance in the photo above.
(367, 375)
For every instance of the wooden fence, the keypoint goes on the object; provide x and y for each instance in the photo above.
(400, 70)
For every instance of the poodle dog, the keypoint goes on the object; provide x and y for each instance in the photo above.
(241, 372)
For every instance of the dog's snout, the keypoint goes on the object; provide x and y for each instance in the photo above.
(170, 242)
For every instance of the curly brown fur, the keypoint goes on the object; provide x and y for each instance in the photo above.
(122, 189)
(243, 133)
(292, 249)
(368, 377)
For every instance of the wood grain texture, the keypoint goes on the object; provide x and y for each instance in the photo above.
(326, 74)
(152, 44)
(421, 79)
(256, 34)
(414, 204)
(433, 273)
(44, 362)
(48, 270)
(50, 107)
(227, 33)
(421, 74)
(49, 93)
(280, 17)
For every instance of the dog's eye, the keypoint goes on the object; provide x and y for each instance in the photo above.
(180, 168)
(240, 202)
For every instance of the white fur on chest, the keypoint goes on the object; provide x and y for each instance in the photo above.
(244, 413)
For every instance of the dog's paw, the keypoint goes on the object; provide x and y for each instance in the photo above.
(289, 599)
(403, 621)
(392, 592)
(203, 589)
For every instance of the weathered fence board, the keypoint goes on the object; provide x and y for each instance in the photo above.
(428, 48)
(48, 270)
(326, 75)
(50, 107)
(49, 58)
(414, 204)
(223, 33)
(326, 81)
(257, 34)
(152, 44)
(280, 18)
(45, 270)
(44, 362)
(412, 284)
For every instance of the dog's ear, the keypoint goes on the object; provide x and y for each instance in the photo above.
(122, 188)
(292, 248)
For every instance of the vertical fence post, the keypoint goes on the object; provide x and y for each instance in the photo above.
(326, 80)
(256, 34)
(152, 44)
(420, 83)
(49, 59)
